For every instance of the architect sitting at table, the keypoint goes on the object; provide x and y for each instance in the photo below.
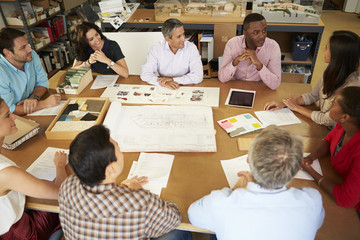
(23, 79)
(176, 60)
(97, 52)
(252, 56)
(93, 204)
(260, 206)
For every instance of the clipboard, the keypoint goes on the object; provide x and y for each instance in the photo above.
(26, 130)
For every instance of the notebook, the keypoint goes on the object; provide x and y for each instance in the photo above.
(26, 130)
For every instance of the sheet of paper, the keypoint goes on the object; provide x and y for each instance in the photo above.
(304, 175)
(279, 117)
(103, 81)
(44, 167)
(156, 167)
(149, 94)
(233, 166)
(154, 189)
(161, 128)
(52, 111)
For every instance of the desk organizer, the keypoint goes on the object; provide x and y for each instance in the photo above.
(73, 81)
(77, 115)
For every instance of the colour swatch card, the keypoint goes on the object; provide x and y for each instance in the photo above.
(241, 124)
(149, 94)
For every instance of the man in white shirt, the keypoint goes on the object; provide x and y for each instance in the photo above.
(260, 206)
(175, 60)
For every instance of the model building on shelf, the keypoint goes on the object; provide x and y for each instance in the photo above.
(289, 12)
(199, 10)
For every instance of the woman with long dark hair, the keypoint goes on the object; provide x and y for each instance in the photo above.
(96, 51)
(342, 52)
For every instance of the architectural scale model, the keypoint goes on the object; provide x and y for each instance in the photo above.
(289, 12)
(199, 10)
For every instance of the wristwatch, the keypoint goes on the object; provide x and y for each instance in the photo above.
(111, 64)
(35, 97)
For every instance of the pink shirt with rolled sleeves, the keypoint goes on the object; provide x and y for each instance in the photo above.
(269, 55)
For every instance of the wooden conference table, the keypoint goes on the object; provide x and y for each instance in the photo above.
(194, 175)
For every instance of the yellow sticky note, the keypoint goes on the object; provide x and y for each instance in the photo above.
(256, 125)
(232, 120)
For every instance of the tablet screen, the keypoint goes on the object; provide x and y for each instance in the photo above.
(241, 99)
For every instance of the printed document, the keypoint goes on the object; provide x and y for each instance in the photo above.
(149, 94)
(103, 81)
(44, 167)
(279, 117)
(233, 166)
(51, 111)
(156, 167)
(161, 128)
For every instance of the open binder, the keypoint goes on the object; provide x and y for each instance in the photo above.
(26, 130)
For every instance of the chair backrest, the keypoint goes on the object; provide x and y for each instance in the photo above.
(135, 46)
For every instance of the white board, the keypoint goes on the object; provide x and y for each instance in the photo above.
(135, 47)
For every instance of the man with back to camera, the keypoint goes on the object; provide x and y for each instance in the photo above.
(93, 205)
(23, 79)
(176, 60)
(252, 56)
(260, 206)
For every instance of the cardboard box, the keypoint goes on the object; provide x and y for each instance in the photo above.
(222, 34)
(41, 3)
(18, 22)
(70, 134)
(59, 78)
(69, 4)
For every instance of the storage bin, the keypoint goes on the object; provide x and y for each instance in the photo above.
(301, 50)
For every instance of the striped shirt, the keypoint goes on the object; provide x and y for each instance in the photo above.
(110, 211)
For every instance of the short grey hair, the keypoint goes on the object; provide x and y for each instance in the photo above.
(275, 157)
(170, 25)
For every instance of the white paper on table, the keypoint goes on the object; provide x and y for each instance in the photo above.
(103, 81)
(232, 166)
(44, 166)
(51, 111)
(149, 94)
(156, 189)
(278, 117)
(304, 175)
(161, 128)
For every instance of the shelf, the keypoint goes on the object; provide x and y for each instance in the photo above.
(52, 73)
(37, 22)
(288, 59)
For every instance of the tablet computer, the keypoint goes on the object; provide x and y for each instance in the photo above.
(240, 98)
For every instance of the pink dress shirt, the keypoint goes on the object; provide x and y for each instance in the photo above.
(269, 55)
(185, 66)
